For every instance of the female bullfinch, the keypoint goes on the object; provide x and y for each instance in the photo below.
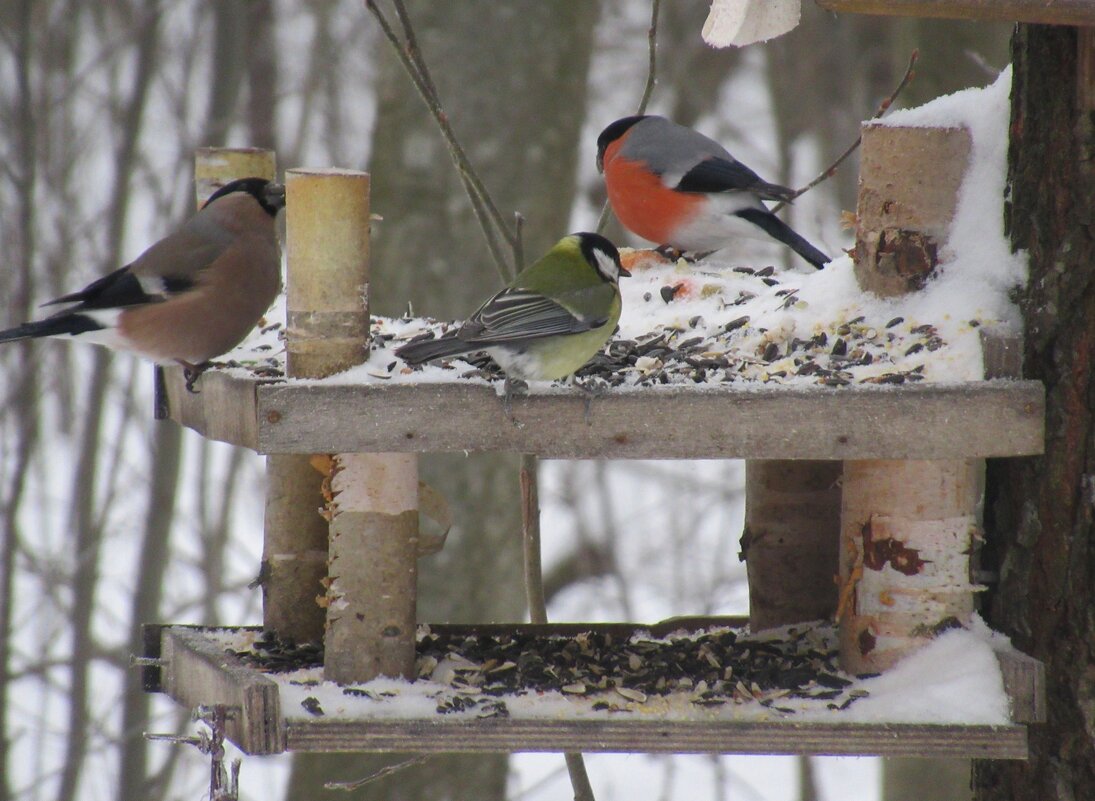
(191, 296)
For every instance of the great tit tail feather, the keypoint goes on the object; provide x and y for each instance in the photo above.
(430, 349)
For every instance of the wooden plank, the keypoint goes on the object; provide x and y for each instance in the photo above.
(923, 421)
(196, 671)
(647, 736)
(1025, 683)
(1046, 12)
(223, 408)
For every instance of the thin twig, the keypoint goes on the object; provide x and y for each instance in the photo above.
(530, 526)
(387, 770)
(486, 213)
(652, 64)
(579, 778)
(883, 107)
(416, 58)
(518, 242)
(648, 89)
(534, 594)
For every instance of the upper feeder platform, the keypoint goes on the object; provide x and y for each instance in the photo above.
(922, 421)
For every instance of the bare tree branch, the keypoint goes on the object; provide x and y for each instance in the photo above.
(883, 107)
(384, 772)
(486, 213)
(648, 89)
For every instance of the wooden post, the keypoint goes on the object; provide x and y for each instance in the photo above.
(216, 166)
(792, 531)
(908, 191)
(373, 507)
(373, 567)
(907, 527)
(294, 550)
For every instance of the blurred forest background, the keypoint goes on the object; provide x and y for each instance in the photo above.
(109, 520)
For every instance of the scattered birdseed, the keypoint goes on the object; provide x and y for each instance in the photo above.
(714, 667)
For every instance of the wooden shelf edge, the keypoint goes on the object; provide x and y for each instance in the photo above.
(993, 418)
(1054, 12)
(195, 671)
(646, 736)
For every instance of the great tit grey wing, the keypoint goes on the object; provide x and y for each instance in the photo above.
(515, 314)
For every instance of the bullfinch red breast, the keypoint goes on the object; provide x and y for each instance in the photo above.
(191, 296)
(676, 187)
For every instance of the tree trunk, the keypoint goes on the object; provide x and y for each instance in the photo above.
(1039, 510)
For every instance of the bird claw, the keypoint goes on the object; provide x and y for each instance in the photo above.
(192, 372)
(512, 386)
(589, 390)
(669, 252)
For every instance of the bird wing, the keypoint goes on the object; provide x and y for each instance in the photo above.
(716, 174)
(517, 314)
(167, 268)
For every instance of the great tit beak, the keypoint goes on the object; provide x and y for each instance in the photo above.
(624, 272)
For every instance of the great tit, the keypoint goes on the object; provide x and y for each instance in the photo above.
(191, 296)
(676, 187)
(550, 320)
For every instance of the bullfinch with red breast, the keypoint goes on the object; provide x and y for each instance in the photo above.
(676, 187)
(191, 296)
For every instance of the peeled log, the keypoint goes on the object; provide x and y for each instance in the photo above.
(908, 192)
(373, 570)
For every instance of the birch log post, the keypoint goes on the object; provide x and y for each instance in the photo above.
(373, 498)
(294, 552)
(907, 527)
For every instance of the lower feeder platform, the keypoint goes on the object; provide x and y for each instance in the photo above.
(682, 686)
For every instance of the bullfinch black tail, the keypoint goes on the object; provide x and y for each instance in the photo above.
(70, 324)
(778, 229)
(430, 349)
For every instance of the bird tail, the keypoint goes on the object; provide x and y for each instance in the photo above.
(778, 229)
(430, 349)
(70, 324)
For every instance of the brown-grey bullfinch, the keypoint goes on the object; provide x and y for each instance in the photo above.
(191, 296)
(676, 187)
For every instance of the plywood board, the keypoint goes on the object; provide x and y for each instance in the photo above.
(1045, 12)
(922, 421)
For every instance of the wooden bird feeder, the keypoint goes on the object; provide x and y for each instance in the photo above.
(877, 484)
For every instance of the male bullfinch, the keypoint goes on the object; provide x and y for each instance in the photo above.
(550, 320)
(191, 296)
(676, 187)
